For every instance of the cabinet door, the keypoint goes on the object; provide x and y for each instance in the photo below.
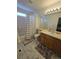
(57, 46)
(49, 42)
(41, 39)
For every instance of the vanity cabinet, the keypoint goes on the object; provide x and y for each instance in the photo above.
(50, 42)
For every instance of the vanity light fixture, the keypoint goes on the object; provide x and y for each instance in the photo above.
(49, 11)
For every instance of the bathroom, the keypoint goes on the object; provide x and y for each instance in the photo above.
(33, 29)
(36, 19)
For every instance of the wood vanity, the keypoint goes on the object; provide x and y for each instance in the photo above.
(51, 41)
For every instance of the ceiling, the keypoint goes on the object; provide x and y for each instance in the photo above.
(38, 5)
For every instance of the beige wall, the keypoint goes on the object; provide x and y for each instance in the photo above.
(37, 21)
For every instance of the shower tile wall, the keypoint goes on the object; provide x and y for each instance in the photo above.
(26, 26)
(20, 25)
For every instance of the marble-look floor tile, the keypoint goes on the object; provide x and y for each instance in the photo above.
(28, 52)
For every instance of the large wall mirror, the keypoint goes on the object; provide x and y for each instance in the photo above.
(50, 21)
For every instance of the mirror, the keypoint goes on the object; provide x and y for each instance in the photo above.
(50, 21)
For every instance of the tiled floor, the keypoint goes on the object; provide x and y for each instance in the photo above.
(29, 52)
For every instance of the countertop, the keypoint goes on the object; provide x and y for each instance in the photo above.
(55, 34)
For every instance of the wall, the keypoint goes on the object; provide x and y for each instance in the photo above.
(56, 5)
(37, 21)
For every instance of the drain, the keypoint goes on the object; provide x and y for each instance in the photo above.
(19, 50)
